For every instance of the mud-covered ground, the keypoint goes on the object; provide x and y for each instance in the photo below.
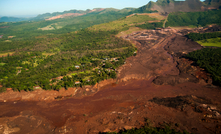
(157, 87)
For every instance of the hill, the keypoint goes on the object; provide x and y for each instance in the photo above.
(183, 6)
(72, 13)
(63, 24)
(196, 19)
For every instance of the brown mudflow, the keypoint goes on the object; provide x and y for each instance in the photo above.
(156, 88)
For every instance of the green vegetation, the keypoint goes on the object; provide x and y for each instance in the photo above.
(210, 59)
(194, 18)
(206, 39)
(153, 25)
(123, 23)
(69, 60)
(30, 29)
(215, 42)
(151, 130)
(202, 36)
(51, 55)
(2, 64)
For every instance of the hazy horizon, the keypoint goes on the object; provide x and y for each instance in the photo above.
(27, 8)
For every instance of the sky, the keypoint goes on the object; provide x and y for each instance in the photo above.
(31, 8)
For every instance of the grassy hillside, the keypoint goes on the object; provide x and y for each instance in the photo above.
(153, 25)
(47, 15)
(215, 42)
(123, 23)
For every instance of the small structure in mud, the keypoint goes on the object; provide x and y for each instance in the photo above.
(77, 82)
(77, 67)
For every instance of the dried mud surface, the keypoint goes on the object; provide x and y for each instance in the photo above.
(157, 87)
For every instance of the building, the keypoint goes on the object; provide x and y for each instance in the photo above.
(77, 82)
(77, 67)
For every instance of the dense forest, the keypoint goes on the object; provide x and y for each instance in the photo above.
(202, 36)
(210, 59)
(194, 18)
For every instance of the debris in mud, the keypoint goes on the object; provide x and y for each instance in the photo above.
(26, 122)
(188, 73)
(174, 79)
(198, 104)
(181, 45)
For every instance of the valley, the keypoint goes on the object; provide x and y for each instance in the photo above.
(153, 69)
(136, 98)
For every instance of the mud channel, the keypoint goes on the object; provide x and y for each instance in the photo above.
(157, 87)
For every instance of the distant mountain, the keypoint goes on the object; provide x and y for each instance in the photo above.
(67, 14)
(183, 6)
(146, 8)
(161, 6)
(49, 15)
(12, 19)
(75, 13)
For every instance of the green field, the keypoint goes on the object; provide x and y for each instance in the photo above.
(123, 23)
(2, 64)
(214, 42)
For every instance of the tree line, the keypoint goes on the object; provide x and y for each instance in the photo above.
(210, 59)
(202, 36)
(197, 19)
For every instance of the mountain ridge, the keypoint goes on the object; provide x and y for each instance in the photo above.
(66, 14)
(161, 6)
(169, 6)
